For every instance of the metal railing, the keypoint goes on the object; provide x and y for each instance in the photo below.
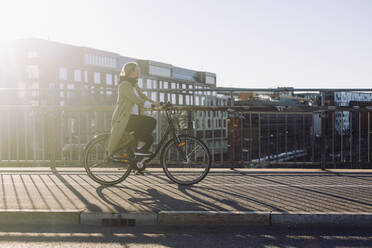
(236, 136)
(322, 136)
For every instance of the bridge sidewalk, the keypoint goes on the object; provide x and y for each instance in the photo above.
(241, 196)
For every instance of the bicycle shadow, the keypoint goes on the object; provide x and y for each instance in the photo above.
(149, 199)
(213, 202)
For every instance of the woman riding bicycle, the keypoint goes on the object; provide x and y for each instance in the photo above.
(129, 115)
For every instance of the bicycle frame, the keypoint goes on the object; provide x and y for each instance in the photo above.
(170, 129)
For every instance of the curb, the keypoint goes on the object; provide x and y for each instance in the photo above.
(60, 217)
(350, 219)
(213, 217)
(118, 219)
(31, 216)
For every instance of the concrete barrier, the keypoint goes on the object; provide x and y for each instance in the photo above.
(25, 216)
(57, 217)
(118, 219)
(321, 219)
(213, 217)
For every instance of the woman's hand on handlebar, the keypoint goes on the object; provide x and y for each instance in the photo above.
(161, 105)
(156, 105)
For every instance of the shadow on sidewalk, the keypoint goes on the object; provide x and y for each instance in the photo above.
(148, 200)
(90, 206)
(186, 236)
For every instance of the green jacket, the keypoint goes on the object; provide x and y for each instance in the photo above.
(123, 109)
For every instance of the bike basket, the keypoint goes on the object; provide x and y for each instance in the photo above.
(182, 119)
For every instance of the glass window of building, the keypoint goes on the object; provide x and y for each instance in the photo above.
(154, 84)
(165, 85)
(187, 100)
(116, 80)
(173, 98)
(149, 84)
(62, 73)
(202, 101)
(86, 76)
(97, 77)
(32, 71)
(161, 96)
(32, 54)
(173, 85)
(197, 103)
(153, 96)
(140, 83)
(77, 75)
(108, 78)
(180, 99)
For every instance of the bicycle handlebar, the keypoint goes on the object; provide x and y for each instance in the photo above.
(163, 105)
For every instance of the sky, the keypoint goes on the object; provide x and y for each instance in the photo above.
(250, 44)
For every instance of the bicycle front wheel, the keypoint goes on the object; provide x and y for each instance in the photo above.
(105, 171)
(186, 162)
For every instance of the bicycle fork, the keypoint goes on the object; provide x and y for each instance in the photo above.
(180, 144)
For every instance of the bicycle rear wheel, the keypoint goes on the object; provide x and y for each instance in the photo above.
(106, 172)
(187, 162)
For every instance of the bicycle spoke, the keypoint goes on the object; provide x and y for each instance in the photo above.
(196, 148)
(95, 165)
(104, 172)
(191, 169)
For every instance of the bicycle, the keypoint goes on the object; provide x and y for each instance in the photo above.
(185, 159)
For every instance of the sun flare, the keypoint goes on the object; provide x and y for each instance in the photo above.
(23, 18)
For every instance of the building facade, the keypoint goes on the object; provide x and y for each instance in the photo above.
(52, 73)
(35, 72)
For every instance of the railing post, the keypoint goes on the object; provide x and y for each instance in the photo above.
(232, 132)
(323, 140)
(52, 140)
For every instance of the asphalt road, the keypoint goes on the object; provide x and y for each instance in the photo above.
(175, 236)
(221, 190)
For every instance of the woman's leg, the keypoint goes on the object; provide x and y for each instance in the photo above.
(146, 128)
(143, 126)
